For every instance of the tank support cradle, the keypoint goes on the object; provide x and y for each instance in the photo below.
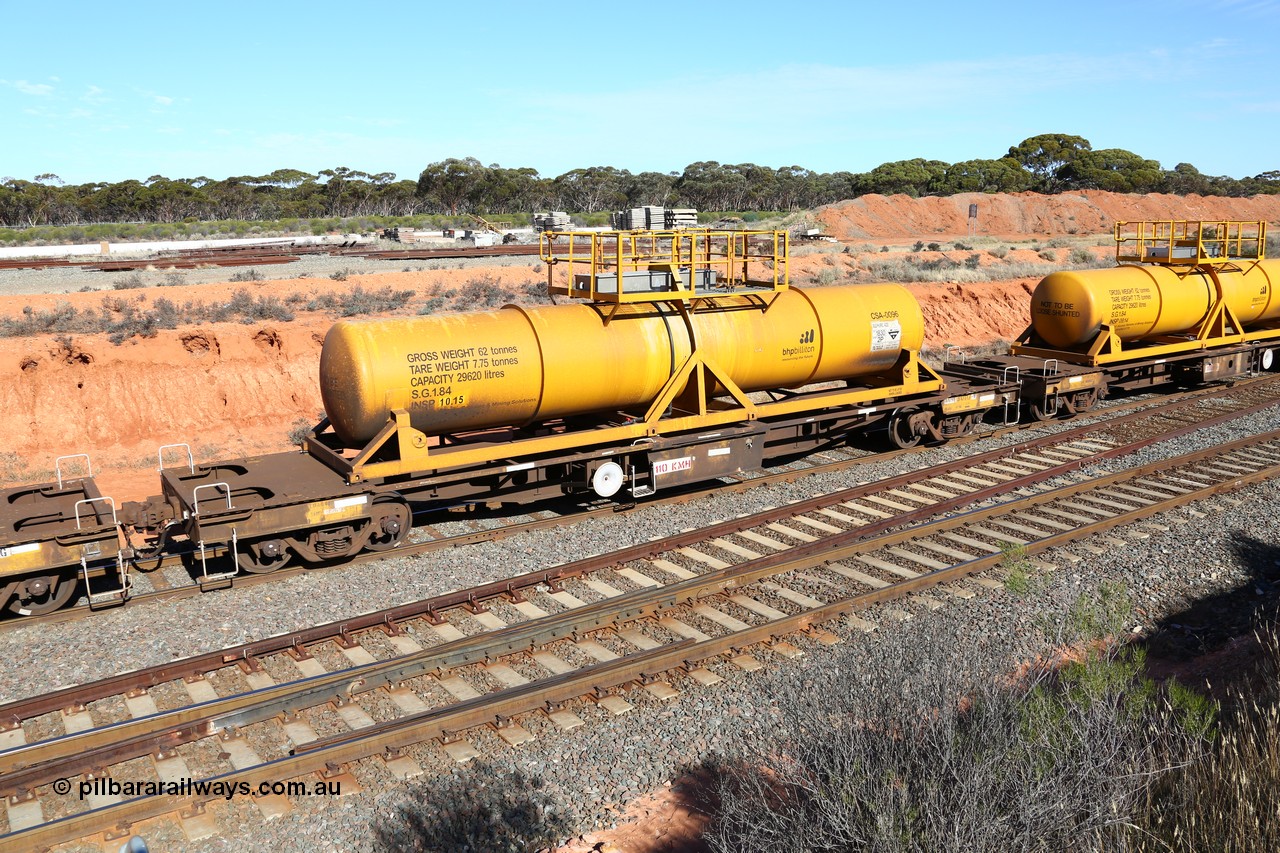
(685, 402)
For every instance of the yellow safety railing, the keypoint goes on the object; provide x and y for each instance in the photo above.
(1191, 243)
(658, 266)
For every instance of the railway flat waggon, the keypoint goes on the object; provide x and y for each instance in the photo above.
(58, 537)
(677, 357)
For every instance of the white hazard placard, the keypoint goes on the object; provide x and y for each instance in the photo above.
(885, 334)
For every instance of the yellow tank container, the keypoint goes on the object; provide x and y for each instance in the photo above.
(517, 366)
(1069, 308)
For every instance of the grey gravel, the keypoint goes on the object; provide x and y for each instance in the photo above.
(143, 635)
(595, 770)
(613, 759)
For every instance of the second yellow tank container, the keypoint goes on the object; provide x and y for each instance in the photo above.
(1069, 308)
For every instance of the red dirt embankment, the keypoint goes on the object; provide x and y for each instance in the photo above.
(234, 389)
(227, 390)
(972, 315)
(1021, 215)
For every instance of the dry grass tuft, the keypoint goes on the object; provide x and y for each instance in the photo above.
(929, 745)
(1229, 799)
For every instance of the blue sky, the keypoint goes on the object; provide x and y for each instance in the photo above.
(105, 92)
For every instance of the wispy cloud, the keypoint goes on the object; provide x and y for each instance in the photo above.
(829, 96)
(373, 121)
(155, 99)
(1219, 47)
(1250, 8)
(37, 89)
(95, 95)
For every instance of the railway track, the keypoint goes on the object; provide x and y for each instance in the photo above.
(233, 256)
(172, 580)
(380, 686)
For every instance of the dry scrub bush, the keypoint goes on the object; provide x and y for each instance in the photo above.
(928, 744)
(478, 810)
(907, 268)
(1230, 800)
(15, 468)
(300, 430)
(123, 319)
(936, 357)
(129, 282)
(357, 301)
(485, 292)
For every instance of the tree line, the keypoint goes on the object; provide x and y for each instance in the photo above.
(1048, 163)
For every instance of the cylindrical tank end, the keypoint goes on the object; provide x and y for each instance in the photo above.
(345, 386)
(1064, 311)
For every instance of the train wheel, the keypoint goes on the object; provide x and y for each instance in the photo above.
(391, 521)
(901, 434)
(1042, 414)
(44, 594)
(262, 556)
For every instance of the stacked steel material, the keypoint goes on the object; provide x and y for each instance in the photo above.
(653, 217)
(556, 220)
(680, 217)
(629, 220)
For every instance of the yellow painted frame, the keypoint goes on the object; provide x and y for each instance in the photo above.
(910, 377)
(598, 254)
(1203, 243)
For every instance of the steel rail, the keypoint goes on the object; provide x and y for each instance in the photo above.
(264, 254)
(390, 734)
(12, 713)
(25, 767)
(324, 754)
(1144, 408)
